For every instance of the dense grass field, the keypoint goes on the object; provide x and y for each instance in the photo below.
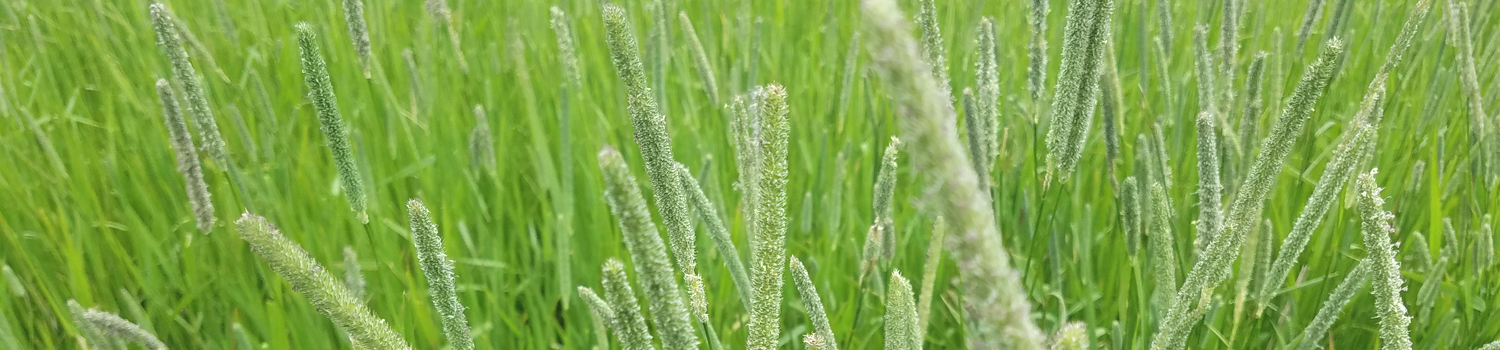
(95, 209)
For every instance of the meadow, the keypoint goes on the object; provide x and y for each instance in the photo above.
(1084, 174)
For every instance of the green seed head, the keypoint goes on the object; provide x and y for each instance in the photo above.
(320, 89)
(629, 326)
(182, 70)
(901, 316)
(1376, 224)
(440, 279)
(822, 333)
(647, 251)
(187, 159)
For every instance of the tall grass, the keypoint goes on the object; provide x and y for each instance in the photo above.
(440, 279)
(320, 89)
(187, 158)
(647, 252)
(1376, 223)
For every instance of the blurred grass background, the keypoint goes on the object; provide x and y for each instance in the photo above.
(94, 210)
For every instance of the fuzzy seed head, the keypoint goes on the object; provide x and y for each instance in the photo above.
(885, 192)
(439, 272)
(769, 251)
(629, 326)
(997, 312)
(113, 326)
(1072, 336)
(182, 70)
(187, 159)
(566, 51)
(1210, 220)
(1376, 224)
(320, 88)
(353, 280)
(932, 45)
(1318, 328)
(354, 15)
(647, 251)
(822, 332)
(901, 316)
(1084, 39)
(326, 293)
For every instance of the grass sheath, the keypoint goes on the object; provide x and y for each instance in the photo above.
(320, 287)
(648, 253)
(997, 312)
(439, 272)
(320, 89)
(187, 159)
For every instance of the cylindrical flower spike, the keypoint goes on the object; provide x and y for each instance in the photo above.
(320, 88)
(929, 274)
(112, 325)
(1386, 271)
(717, 232)
(1353, 283)
(603, 314)
(182, 70)
(1210, 214)
(439, 271)
(769, 250)
(314, 282)
(997, 313)
(1072, 336)
(700, 59)
(884, 194)
(354, 16)
(814, 305)
(649, 255)
(1036, 51)
(651, 135)
(566, 51)
(353, 280)
(630, 327)
(901, 316)
(1077, 89)
(932, 45)
(187, 159)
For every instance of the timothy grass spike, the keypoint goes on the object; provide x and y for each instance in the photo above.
(320, 88)
(603, 315)
(1484, 250)
(630, 327)
(1210, 214)
(1250, 116)
(1339, 169)
(353, 280)
(326, 293)
(94, 337)
(1386, 271)
(901, 316)
(769, 252)
(1072, 336)
(354, 16)
(647, 252)
(997, 312)
(717, 232)
(884, 193)
(1164, 260)
(1131, 214)
(1077, 90)
(197, 105)
(112, 325)
(481, 146)
(439, 272)
(1352, 284)
(187, 159)
(929, 273)
(567, 52)
(700, 59)
(986, 123)
(651, 135)
(1208, 98)
(1036, 51)
(814, 305)
(932, 45)
(1428, 294)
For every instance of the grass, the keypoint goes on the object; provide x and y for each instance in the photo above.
(96, 211)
